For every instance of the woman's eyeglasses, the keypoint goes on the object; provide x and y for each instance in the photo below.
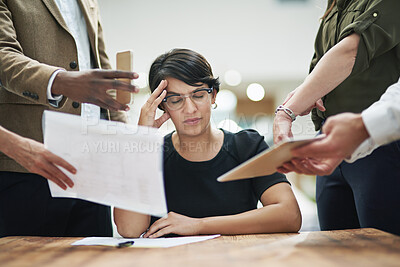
(199, 97)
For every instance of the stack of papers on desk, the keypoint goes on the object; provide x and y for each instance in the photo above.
(143, 242)
(118, 164)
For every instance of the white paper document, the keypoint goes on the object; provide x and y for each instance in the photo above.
(117, 164)
(142, 242)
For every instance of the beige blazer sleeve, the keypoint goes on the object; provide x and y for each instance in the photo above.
(35, 42)
(20, 74)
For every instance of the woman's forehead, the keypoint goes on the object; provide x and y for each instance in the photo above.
(179, 87)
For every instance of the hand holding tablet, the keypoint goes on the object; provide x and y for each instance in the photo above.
(266, 162)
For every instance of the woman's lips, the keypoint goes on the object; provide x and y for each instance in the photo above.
(192, 121)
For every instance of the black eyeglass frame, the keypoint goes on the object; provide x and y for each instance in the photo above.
(208, 90)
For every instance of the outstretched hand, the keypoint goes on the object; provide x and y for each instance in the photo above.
(34, 157)
(148, 111)
(344, 133)
(283, 123)
(91, 86)
(311, 166)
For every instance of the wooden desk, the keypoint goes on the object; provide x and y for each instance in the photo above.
(361, 247)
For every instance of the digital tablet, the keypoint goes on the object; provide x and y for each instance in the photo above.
(267, 161)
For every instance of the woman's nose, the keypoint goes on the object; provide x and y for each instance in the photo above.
(189, 105)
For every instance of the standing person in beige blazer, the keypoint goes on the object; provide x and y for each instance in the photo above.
(47, 48)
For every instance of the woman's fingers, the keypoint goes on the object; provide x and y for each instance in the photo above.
(164, 231)
(160, 121)
(320, 105)
(148, 111)
(162, 85)
(157, 225)
(151, 105)
(157, 92)
(158, 100)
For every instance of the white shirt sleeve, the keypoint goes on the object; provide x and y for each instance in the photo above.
(382, 120)
(53, 100)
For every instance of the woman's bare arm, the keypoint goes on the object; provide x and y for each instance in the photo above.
(280, 214)
(129, 223)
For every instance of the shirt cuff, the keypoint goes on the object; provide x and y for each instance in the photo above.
(378, 123)
(362, 150)
(54, 100)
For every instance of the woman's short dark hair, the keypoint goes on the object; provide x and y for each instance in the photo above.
(185, 65)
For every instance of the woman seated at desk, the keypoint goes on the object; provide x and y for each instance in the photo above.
(196, 154)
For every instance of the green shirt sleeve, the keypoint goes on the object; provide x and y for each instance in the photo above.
(379, 29)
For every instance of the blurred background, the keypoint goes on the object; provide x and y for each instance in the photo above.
(260, 50)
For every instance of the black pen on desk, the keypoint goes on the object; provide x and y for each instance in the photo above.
(125, 244)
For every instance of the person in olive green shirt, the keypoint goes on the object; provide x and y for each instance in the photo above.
(357, 56)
